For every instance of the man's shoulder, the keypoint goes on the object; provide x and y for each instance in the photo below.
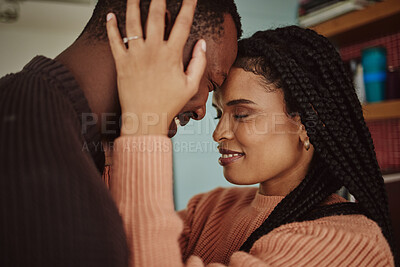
(25, 88)
(32, 95)
(32, 77)
(44, 81)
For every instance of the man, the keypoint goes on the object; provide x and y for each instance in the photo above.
(55, 209)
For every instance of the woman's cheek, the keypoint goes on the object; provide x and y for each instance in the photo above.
(262, 124)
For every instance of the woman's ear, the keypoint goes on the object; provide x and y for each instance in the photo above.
(304, 139)
(303, 133)
(301, 130)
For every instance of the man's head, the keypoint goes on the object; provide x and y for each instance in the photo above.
(216, 21)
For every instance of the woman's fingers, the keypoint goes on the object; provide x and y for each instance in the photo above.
(117, 46)
(156, 21)
(153, 57)
(180, 31)
(133, 22)
(197, 65)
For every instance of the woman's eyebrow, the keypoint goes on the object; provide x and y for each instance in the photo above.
(240, 101)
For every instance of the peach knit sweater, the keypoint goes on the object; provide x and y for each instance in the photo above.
(214, 225)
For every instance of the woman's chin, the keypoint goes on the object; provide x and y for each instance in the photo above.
(238, 180)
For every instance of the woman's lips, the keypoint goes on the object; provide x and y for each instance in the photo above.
(229, 156)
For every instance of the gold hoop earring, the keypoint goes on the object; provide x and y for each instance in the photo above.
(307, 144)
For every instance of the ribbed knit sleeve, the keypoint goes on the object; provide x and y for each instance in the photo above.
(55, 210)
(142, 188)
(218, 222)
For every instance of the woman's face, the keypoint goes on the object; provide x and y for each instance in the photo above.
(259, 143)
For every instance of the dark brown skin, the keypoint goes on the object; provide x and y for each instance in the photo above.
(93, 67)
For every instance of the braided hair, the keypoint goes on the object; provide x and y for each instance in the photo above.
(316, 86)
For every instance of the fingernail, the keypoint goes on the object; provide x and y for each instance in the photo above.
(109, 16)
(204, 46)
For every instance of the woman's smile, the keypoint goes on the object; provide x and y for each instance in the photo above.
(229, 156)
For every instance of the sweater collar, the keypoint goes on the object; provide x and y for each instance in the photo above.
(261, 202)
(70, 88)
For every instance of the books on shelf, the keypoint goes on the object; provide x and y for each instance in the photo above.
(386, 137)
(328, 10)
(385, 132)
(309, 6)
(390, 42)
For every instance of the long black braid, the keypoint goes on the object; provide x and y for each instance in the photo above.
(316, 86)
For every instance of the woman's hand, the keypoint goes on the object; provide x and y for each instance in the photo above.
(152, 84)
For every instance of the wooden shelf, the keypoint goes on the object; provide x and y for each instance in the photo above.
(382, 110)
(377, 19)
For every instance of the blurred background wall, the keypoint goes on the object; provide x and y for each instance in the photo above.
(48, 27)
(43, 28)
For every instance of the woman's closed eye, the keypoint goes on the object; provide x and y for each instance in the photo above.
(240, 116)
(240, 113)
(235, 116)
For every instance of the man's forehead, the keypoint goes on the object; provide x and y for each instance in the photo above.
(219, 64)
(221, 53)
(219, 76)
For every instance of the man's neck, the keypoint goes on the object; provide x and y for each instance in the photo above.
(93, 67)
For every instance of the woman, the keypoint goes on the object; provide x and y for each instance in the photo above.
(290, 121)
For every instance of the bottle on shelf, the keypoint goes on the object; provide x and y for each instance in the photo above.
(374, 66)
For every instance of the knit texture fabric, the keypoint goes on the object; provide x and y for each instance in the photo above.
(55, 209)
(214, 225)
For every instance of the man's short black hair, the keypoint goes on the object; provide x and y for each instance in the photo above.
(208, 18)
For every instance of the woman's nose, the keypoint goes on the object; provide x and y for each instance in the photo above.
(223, 130)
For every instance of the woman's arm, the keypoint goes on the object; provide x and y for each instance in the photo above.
(142, 189)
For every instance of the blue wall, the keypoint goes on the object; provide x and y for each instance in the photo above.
(196, 167)
(265, 14)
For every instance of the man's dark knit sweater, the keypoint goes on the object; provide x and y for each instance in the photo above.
(55, 209)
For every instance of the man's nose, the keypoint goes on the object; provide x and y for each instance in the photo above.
(199, 113)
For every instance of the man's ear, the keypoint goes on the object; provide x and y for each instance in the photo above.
(168, 24)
